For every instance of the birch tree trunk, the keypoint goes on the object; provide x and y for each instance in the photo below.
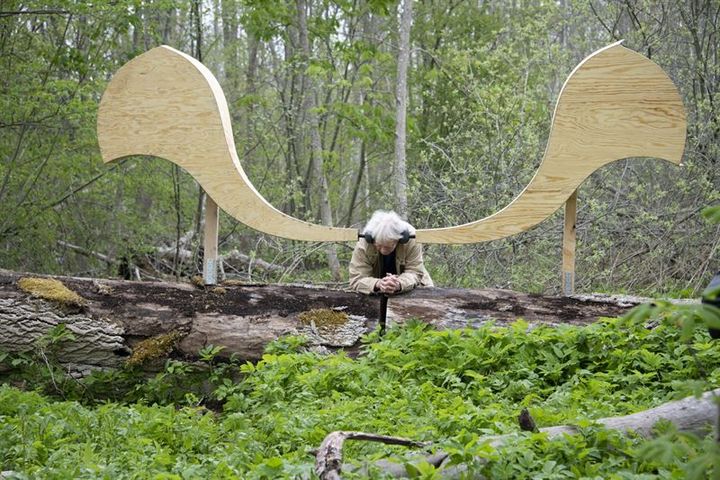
(401, 96)
(310, 105)
(289, 84)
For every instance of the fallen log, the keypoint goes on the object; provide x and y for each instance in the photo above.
(689, 415)
(117, 316)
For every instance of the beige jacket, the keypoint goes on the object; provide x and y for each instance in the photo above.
(365, 267)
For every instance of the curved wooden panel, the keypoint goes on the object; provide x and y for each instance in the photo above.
(615, 104)
(167, 104)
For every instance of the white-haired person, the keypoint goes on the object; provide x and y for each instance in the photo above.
(386, 246)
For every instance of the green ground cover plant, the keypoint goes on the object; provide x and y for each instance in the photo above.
(451, 387)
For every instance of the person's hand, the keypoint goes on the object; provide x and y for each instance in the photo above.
(388, 285)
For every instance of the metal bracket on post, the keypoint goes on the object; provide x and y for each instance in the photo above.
(568, 283)
(568, 247)
(210, 242)
(210, 272)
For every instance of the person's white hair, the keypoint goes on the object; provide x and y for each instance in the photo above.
(387, 226)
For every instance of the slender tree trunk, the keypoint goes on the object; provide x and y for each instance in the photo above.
(359, 156)
(250, 87)
(366, 190)
(197, 25)
(253, 46)
(401, 96)
(371, 28)
(230, 45)
(310, 105)
(292, 108)
(361, 167)
(169, 21)
(216, 16)
(198, 53)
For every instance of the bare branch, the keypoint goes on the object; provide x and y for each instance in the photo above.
(328, 460)
(33, 12)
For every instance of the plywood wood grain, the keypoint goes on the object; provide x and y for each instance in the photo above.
(616, 104)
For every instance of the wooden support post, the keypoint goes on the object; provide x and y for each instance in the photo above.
(568, 250)
(210, 242)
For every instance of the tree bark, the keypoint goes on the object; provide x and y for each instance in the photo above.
(309, 106)
(118, 315)
(248, 117)
(401, 97)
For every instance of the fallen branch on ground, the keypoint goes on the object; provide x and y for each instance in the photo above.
(328, 460)
(689, 415)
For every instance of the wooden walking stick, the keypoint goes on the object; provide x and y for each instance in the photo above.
(383, 298)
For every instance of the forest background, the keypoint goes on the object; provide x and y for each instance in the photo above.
(312, 86)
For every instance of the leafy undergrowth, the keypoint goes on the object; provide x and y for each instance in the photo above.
(449, 387)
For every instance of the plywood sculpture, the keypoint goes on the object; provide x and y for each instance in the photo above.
(615, 104)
